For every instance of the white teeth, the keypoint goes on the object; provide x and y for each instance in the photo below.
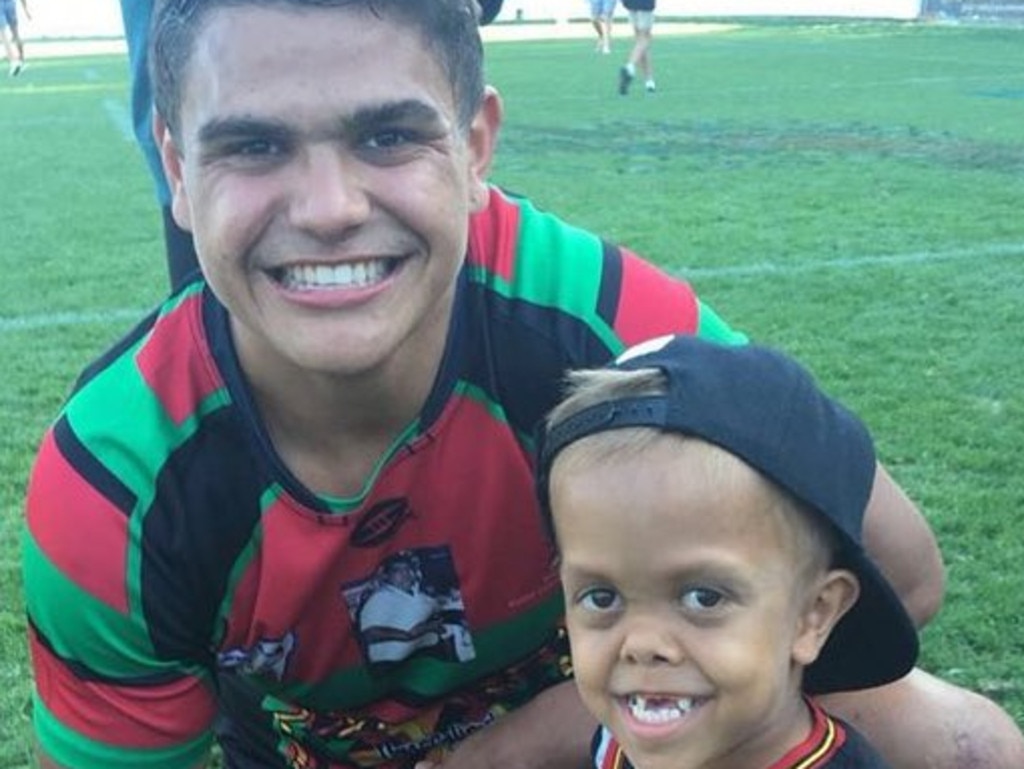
(659, 710)
(348, 275)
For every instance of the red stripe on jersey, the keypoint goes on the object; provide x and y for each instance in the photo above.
(151, 716)
(93, 551)
(644, 286)
(179, 388)
(494, 232)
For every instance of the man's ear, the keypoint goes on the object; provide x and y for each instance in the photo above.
(835, 593)
(482, 142)
(171, 158)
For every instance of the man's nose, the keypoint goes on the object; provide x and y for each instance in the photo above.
(330, 193)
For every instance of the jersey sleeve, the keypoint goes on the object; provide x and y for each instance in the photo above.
(587, 295)
(102, 696)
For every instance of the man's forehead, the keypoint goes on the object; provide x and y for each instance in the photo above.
(226, 71)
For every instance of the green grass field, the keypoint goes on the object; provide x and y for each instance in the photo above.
(850, 192)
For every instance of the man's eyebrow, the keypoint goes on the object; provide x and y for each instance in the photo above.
(365, 118)
(406, 110)
(222, 129)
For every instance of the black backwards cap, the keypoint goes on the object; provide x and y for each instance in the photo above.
(764, 408)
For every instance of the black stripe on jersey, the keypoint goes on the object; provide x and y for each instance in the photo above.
(86, 673)
(525, 370)
(206, 511)
(611, 282)
(98, 476)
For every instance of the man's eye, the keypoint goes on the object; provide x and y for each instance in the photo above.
(258, 148)
(599, 599)
(702, 599)
(384, 140)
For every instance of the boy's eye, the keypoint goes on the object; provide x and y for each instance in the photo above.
(701, 598)
(599, 599)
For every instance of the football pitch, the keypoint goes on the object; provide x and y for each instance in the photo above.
(851, 192)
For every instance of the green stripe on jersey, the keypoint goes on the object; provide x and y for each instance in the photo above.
(571, 284)
(148, 438)
(105, 640)
(431, 678)
(713, 328)
(69, 748)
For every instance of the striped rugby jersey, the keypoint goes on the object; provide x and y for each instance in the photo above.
(168, 546)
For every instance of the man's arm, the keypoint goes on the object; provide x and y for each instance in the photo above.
(900, 541)
(552, 731)
(922, 722)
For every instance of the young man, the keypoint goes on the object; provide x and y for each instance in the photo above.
(356, 375)
(14, 48)
(737, 583)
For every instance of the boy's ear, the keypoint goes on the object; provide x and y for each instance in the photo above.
(170, 156)
(835, 593)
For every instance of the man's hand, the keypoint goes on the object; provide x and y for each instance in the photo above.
(551, 732)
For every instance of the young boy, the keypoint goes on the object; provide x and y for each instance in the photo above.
(707, 504)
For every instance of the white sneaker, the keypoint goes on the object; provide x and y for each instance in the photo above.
(650, 87)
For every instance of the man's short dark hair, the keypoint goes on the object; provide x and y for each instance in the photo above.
(450, 29)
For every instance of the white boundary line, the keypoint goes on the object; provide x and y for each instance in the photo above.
(757, 269)
(12, 324)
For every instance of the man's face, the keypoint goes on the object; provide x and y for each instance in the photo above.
(320, 168)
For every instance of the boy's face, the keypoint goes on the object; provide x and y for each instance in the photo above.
(321, 170)
(685, 596)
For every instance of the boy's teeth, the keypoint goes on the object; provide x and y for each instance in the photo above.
(658, 710)
(349, 275)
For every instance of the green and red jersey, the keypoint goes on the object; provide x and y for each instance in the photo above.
(168, 546)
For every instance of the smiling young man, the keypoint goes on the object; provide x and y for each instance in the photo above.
(356, 375)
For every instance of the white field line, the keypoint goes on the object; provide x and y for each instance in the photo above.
(40, 321)
(757, 269)
(121, 117)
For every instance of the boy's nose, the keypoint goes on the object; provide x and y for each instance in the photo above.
(650, 642)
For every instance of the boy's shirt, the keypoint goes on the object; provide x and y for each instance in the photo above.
(831, 743)
(168, 546)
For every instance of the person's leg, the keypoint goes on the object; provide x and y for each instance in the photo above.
(7, 21)
(923, 722)
(8, 48)
(12, 25)
(640, 59)
(598, 22)
(628, 70)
